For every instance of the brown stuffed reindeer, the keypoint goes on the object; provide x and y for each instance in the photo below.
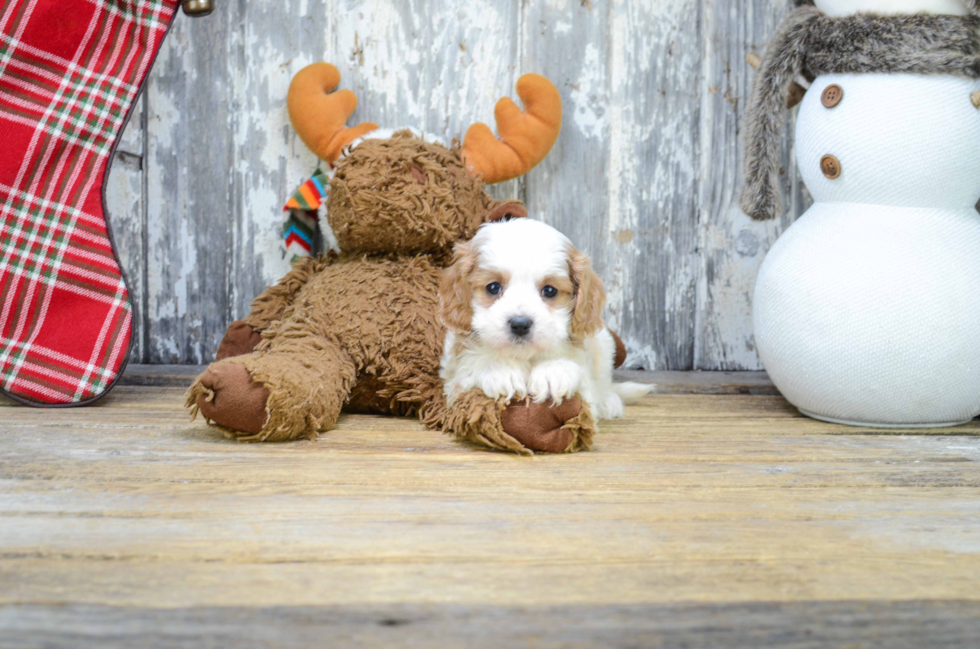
(358, 330)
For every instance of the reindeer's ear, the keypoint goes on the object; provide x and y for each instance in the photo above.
(455, 295)
(506, 211)
(590, 297)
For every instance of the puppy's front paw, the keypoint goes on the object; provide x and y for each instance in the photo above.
(506, 382)
(611, 407)
(556, 380)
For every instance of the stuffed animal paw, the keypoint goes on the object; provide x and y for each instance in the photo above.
(240, 338)
(565, 428)
(227, 396)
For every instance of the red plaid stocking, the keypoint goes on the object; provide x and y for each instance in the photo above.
(70, 71)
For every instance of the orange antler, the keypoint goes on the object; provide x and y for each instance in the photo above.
(319, 116)
(525, 137)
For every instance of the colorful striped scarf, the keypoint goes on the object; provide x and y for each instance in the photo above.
(299, 230)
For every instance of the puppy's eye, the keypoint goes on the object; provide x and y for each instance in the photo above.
(549, 291)
(494, 288)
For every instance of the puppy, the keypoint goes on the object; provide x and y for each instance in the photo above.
(524, 312)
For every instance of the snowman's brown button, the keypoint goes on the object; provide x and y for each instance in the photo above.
(830, 166)
(832, 95)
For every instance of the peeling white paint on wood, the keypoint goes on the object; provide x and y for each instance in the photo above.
(731, 245)
(124, 206)
(644, 175)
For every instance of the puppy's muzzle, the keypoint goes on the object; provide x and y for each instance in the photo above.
(520, 326)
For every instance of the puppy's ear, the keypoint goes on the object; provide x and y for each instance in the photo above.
(455, 295)
(590, 297)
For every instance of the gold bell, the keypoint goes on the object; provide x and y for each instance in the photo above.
(197, 7)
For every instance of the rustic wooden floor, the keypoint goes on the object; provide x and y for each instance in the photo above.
(702, 519)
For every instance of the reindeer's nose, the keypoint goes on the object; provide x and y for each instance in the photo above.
(520, 325)
(418, 174)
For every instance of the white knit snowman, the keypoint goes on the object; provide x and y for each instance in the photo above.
(867, 310)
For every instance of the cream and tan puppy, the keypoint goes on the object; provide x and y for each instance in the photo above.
(524, 312)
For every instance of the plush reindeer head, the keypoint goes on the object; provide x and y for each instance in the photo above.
(396, 192)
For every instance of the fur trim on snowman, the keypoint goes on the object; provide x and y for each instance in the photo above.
(840, 37)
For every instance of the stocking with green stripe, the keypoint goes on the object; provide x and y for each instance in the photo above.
(70, 73)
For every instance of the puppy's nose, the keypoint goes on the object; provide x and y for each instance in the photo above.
(520, 326)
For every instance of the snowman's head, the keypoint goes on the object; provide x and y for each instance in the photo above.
(848, 7)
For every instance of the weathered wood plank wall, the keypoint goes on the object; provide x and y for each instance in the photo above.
(644, 176)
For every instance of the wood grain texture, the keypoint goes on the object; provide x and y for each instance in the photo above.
(220, 159)
(732, 246)
(802, 625)
(664, 382)
(728, 508)
(621, 181)
(436, 65)
(644, 175)
(125, 209)
(569, 42)
(654, 160)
